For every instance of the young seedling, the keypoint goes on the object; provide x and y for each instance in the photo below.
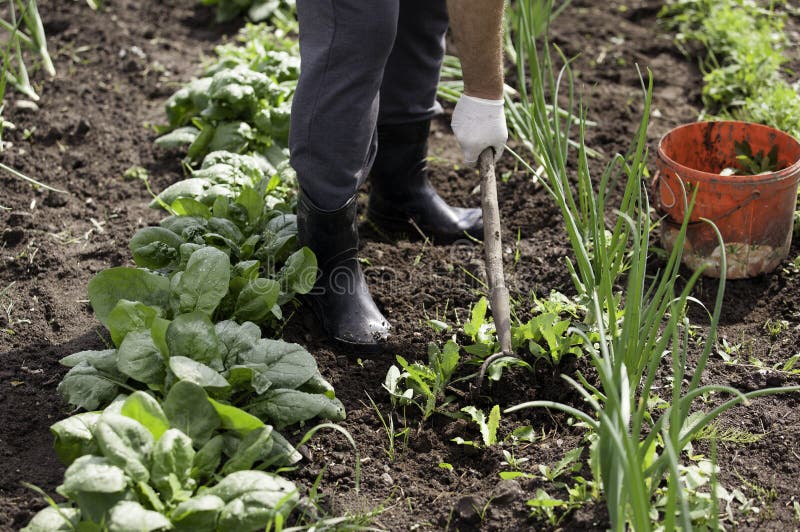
(488, 427)
(775, 327)
(424, 385)
(392, 433)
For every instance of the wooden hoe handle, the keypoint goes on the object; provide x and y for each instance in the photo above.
(498, 293)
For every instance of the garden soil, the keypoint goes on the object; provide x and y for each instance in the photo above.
(115, 70)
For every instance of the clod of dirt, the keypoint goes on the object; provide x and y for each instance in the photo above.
(507, 491)
(12, 237)
(49, 137)
(73, 161)
(456, 428)
(80, 130)
(338, 471)
(54, 199)
(56, 26)
(468, 508)
(20, 219)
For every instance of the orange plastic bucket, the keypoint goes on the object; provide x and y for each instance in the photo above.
(754, 213)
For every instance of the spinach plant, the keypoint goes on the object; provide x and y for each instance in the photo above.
(248, 220)
(242, 104)
(138, 466)
(273, 380)
(256, 10)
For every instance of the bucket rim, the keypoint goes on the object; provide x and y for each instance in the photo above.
(792, 170)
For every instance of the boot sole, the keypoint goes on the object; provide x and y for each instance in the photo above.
(396, 229)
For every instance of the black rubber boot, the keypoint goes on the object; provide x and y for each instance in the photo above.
(401, 190)
(340, 298)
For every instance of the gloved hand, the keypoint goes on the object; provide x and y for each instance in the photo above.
(479, 124)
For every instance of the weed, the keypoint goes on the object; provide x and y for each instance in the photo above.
(728, 351)
(775, 327)
(392, 434)
(136, 172)
(512, 461)
(715, 433)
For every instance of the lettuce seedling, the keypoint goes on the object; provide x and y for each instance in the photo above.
(488, 427)
(424, 385)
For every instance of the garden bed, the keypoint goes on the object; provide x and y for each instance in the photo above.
(115, 70)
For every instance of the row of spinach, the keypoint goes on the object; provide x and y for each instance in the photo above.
(184, 408)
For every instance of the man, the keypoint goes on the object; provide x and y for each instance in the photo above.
(367, 92)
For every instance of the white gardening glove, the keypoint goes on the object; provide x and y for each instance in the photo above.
(479, 124)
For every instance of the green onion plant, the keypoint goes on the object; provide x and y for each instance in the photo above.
(637, 451)
(24, 29)
(14, 71)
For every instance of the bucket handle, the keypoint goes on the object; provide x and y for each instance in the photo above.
(654, 187)
(660, 205)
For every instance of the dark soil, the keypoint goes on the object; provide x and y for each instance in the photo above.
(92, 125)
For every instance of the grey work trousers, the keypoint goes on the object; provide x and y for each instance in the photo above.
(363, 62)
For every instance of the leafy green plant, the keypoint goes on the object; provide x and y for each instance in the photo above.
(422, 385)
(550, 334)
(481, 331)
(233, 209)
(549, 337)
(138, 466)
(483, 335)
(755, 163)
(775, 327)
(242, 103)
(746, 48)
(271, 379)
(487, 426)
(551, 508)
(171, 320)
(256, 10)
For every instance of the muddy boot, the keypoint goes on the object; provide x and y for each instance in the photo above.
(340, 298)
(401, 190)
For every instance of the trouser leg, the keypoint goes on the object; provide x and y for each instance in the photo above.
(401, 190)
(408, 92)
(344, 46)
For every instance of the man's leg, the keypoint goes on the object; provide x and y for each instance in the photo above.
(400, 187)
(344, 45)
(408, 92)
